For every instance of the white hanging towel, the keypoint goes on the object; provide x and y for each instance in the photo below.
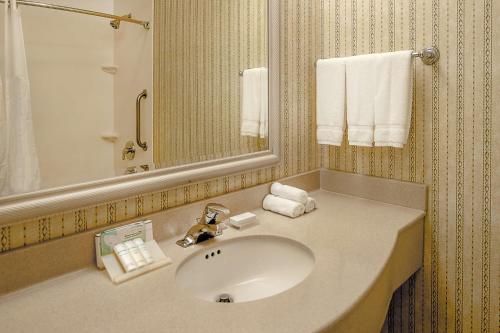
(19, 161)
(264, 105)
(393, 100)
(360, 82)
(330, 109)
(254, 109)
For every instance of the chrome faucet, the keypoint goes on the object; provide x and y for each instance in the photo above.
(208, 226)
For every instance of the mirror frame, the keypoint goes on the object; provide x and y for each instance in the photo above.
(18, 208)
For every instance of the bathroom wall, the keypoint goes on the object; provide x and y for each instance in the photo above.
(65, 53)
(452, 148)
(206, 45)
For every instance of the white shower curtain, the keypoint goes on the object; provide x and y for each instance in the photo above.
(19, 169)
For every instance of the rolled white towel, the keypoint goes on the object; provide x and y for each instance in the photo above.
(283, 206)
(310, 205)
(289, 192)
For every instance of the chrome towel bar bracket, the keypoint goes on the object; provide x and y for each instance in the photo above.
(429, 55)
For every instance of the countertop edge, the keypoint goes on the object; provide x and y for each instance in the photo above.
(349, 319)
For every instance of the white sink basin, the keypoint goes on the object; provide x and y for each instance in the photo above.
(246, 268)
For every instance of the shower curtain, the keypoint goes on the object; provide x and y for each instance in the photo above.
(19, 169)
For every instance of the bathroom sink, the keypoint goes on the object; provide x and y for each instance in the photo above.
(245, 269)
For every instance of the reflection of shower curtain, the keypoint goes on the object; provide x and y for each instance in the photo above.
(19, 170)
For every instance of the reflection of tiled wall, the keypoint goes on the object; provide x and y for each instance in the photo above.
(450, 148)
(204, 46)
(298, 153)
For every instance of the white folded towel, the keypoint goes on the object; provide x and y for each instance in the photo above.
(283, 206)
(330, 101)
(310, 205)
(393, 100)
(289, 192)
(360, 86)
(254, 108)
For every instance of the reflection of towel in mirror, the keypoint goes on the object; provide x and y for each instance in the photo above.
(254, 108)
(19, 170)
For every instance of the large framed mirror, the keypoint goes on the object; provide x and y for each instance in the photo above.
(177, 92)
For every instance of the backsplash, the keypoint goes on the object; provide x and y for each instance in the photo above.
(450, 149)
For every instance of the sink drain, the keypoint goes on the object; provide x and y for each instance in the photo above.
(224, 298)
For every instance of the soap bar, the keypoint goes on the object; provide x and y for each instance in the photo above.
(243, 220)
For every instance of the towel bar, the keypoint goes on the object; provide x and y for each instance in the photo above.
(429, 55)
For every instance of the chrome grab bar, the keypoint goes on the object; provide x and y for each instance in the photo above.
(143, 145)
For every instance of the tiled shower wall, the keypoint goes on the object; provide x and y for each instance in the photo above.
(452, 148)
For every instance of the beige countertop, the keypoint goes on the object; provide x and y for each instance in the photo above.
(363, 251)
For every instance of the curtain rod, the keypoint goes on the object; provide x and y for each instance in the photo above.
(115, 23)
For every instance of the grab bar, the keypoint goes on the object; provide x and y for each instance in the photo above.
(143, 145)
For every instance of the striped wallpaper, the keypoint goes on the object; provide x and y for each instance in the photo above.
(452, 147)
(205, 46)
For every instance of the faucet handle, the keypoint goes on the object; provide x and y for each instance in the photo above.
(214, 213)
(215, 207)
(128, 153)
(209, 225)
